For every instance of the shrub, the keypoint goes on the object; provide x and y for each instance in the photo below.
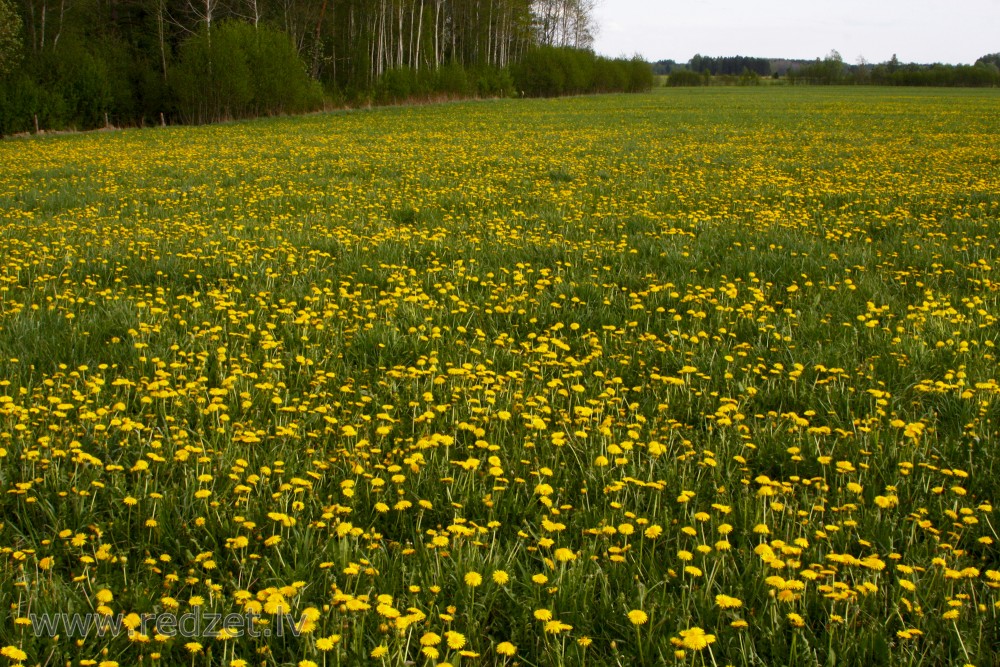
(552, 71)
(22, 98)
(396, 85)
(685, 77)
(452, 79)
(239, 70)
(640, 75)
(493, 82)
(540, 73)
(608, 76)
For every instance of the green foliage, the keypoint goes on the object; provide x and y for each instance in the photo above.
(830, 70)
(685, 77)
(279, 82)
(608, 76)
(212, 80)
(990, 59)
(84, 81)
(664, 67)
(732, 65)
(396, 85)
(22, 98)
(80, 85)
(749, 78)
(493, 82)
(540, 73)
(10, 38)
(640, 75)
(552, 71)
(238, 71)
(982, 75)
(452, 79)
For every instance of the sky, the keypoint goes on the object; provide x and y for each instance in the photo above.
(924, 31)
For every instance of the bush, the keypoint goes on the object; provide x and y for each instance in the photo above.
(749, 78)
(280, 82)
(21, 99)
(540, 73)
(685, 77)
(578, 67)
(452, 79)
(212, 80)
(493, 82)
(239, 70)
(608, 76)
(396, 85)
(551, 71)
(75, 86)
(83, 80)
(640, 75)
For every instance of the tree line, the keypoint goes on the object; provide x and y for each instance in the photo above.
(86, 63)
(716, 66)
(707, 70)
(985, 73)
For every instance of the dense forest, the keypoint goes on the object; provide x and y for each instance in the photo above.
(88, 63)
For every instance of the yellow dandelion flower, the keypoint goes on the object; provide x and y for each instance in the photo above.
(728, 602)
(564, 555)
(696, 639)
(506, 649)
(637, 617)
(555, 627)
(14, 653)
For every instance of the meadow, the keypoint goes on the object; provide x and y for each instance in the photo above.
(698, 377)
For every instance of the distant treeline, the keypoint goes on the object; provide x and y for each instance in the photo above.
(721, 66)
(732, 65)
(832, 70)
(87, 63)
(741, 70)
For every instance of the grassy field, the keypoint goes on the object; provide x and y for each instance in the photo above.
(699, 377)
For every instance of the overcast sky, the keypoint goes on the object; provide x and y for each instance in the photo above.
(922, 31)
